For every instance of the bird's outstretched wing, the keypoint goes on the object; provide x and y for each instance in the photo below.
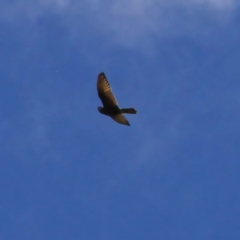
(120, 119)
(105, 92)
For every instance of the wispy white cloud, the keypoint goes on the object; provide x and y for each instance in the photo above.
(126, 22)
(217, 4)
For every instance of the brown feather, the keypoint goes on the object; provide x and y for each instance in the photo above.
(105, 92)
(128, 110)
(120, 119)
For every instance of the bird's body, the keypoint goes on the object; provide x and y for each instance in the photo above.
(110, 105)
(109, 111)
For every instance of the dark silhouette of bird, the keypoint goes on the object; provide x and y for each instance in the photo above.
(110, 105)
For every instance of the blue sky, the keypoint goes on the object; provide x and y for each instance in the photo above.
(68, 172)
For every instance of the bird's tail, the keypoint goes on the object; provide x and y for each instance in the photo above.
(128, 110)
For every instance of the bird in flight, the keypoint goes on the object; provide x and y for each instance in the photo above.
(110, 105)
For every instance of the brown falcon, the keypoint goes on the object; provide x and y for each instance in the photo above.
(110, 105)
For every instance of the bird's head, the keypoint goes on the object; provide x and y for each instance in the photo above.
(100, 109)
